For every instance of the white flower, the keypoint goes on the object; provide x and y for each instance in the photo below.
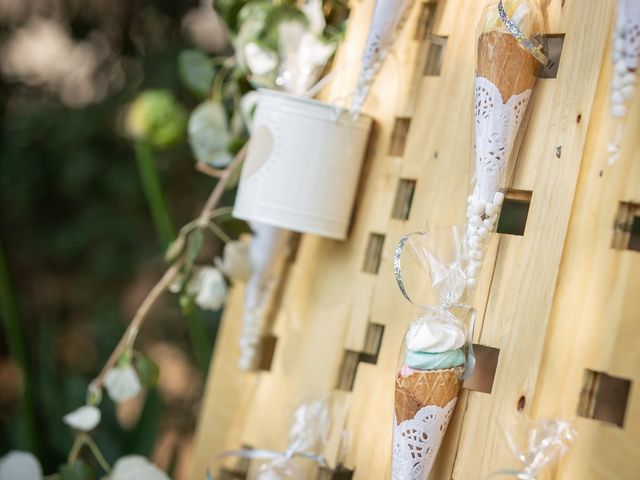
(303, 53)
(84, 418)
(236, 261)
(122, 383)
(313, 52)
(312, 9)
(209, 287)
(259, 60)
(209, 134)
(17, 465)
(176, 285)
(135, 467)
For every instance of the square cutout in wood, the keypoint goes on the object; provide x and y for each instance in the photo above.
(435, 55)
(634, 241)
(626, 228)
(399, 136)
(226, 474)
(485, 369)
(348, 368)
(515, 210)
(340, 473)
(404, 198)
(426, 20)
(239, 471)
(373, 253)
(554, 43)
(604, 397)
(267, 351)
(351, 358)
(372, 343)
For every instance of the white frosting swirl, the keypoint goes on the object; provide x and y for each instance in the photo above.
(428, 336)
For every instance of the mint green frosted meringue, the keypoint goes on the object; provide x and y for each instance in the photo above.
(435, 361)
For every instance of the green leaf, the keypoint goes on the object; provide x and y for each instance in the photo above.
(236, 144)
(209, 134)
(187, 303)
(236, 125)
(271, 31)
(252, 22)
(234, 227)
(194, 245)
(285, 13)
(196, 72)
(148, 371)
(256, 10)
(228, 10)
(94, 395)
(175, 248)
(125, 358)
(78, 471)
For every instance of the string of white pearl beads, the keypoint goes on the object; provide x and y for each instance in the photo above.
(623, 80)
(479, 231)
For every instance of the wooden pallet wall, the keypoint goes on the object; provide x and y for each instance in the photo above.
(559, 303)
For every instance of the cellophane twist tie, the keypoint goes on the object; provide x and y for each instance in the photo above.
(308, 433)
(536, 445)
(448, 281)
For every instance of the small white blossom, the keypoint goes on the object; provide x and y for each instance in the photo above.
(17, 465)
(122, 383)
(312, 9)
(84, 418)
(313, 52)
(176, 285)
(304, 55)
(209, 288)
(135, 467)
(259, 60)
(236, 261)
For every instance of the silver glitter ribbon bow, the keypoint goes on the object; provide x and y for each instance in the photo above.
(532, 46)
(448, 280)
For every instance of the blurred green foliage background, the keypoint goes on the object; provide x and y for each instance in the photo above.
(78, 247)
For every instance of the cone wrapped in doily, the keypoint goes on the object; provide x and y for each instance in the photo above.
(388, 19)
(509, 58)
(433, 361)
(424, 403)
(417, 389)
(267, 252)
(503, 61)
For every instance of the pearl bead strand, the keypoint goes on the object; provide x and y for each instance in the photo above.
(623, 80)
(482, 219)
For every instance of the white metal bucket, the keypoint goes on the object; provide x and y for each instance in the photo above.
(303, 164)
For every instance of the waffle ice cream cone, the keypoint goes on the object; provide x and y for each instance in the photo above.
(429, 387)
(424, 403)
(505, 63)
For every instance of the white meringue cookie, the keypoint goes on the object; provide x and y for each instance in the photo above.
(434, 337)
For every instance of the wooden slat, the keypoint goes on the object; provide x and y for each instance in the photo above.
(556, 301)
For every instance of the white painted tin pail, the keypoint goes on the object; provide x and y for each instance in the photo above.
(303, 164)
